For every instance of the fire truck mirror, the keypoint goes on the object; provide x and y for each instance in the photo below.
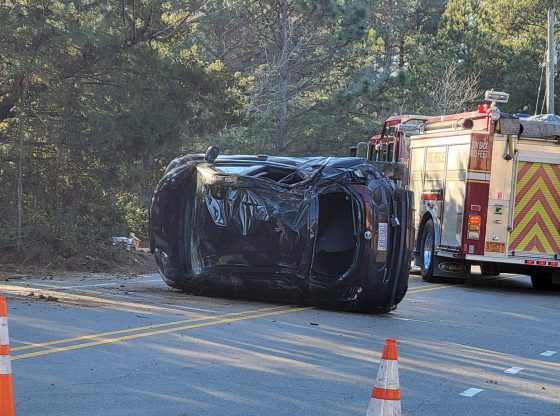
(360, 150)
(212, 154)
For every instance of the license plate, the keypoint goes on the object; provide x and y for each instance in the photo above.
(495, 247)
(382, 237)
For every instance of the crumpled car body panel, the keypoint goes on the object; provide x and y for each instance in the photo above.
(334, 231)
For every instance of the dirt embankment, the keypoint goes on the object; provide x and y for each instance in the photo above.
(104, 258)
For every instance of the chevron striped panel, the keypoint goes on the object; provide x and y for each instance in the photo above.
(536, 225)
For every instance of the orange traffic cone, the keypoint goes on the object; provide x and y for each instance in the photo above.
(386, 396)
(7, 406)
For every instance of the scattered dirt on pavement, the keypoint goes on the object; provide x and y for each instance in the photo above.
(104, 258)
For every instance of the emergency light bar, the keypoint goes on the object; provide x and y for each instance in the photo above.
(496, 96)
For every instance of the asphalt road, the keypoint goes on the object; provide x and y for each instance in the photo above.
(132, 346)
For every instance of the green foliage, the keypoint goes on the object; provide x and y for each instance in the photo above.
(97, 97)
(100, 94)
(297, 54)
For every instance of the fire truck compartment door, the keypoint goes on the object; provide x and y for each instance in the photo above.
(500, 196)
(536, 216)
(454, 195)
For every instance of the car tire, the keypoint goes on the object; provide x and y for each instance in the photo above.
(427, 242)
(179, 275)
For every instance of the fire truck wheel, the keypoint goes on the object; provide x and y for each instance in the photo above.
(541, 282)
(427, 252)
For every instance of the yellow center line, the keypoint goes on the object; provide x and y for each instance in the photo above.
(428, 289)
(140, 328)
(153, 333)
(177, 326)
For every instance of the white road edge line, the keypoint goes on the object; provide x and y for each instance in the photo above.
(470, 392)
(547, 353)
(514, 370)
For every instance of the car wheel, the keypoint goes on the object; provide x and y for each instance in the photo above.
(427, 243)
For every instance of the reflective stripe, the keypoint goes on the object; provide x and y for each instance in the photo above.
(384, 408)
(5, 365)
(477, 176)
(388, 375)
(4, 338)
(4, 350)
(536, 223)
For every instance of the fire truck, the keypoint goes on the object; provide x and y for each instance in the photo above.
(487, 190)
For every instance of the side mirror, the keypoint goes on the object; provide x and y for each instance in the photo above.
(212, 154)
(353, 150)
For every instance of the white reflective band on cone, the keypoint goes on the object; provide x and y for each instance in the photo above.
(388, 375)
(378, 407)
(5, 365)
(4, 339)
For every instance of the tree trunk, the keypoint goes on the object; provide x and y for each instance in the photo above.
(19, 176)
(146, 189)
(401, 52)
(282, 96)
(388, 39)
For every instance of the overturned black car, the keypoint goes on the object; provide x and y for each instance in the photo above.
(333, 231)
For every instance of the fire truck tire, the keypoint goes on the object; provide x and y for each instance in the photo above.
(427, 252)
(544, 283)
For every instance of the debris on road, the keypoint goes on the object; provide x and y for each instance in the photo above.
(130, 242)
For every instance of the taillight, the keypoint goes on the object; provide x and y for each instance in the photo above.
(473, 230)
(542, 263)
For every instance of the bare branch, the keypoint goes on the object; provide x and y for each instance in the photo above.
(452, 92)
